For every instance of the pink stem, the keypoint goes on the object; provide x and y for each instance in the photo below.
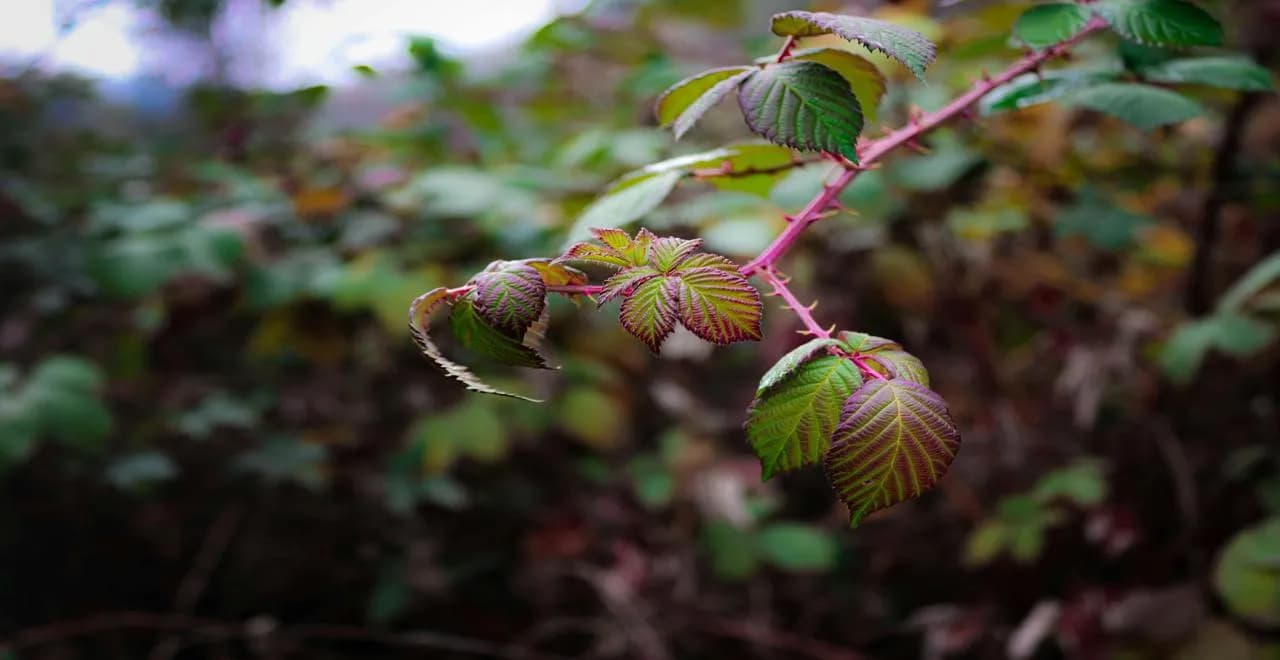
(876, 149)
(861, 361)
(803, 311)
(786, 48)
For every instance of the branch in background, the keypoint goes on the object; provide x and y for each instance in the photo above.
(876, 149)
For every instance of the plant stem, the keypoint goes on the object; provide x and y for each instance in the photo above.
(874, 150)
(805, 312)
(584, 289)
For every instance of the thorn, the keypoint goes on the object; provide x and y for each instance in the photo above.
(806, 333)
(813, 306)
(789, 218)
(831, 329)
(771, 293)
(916, 147)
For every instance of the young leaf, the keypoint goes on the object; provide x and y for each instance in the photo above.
(419, 321)
(594, 253)
(1045, 25)
(649, 313)
(789, 425)
(1222, 72)
(788, 364)
(719, 306)
(886, 354)
(804, 105)
(625, 281)
(909, 47)
(556, 274)
(626, 201)
(476, 334)
(686, 101)
(1143, 106)
(864, 78)
(510, 296)
(668, 252)
(707, 260)
(895, 441)
(616, 239)
(1174, 23)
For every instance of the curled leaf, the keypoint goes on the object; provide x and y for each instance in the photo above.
(419, 321)
(907, 46)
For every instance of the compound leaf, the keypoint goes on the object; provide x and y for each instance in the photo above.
(649, 313)
(1045, 25)
(510, 296)
(686, 101)
(894, 442)
(419, 321)
(789, 424)
(1172, 23)
(1143, 106)
(719, 306)
(804, 105)
(909, 47)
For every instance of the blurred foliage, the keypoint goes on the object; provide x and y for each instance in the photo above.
(205, 313)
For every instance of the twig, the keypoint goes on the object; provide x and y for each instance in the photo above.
(218, 629)
(805, 312)
(876, 149)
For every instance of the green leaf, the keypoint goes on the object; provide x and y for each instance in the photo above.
(788, 364)
(686, 101)
(1183, 354)
(864, 78)
(653, 482)
(141, 470)
(624, 282)
(751, 167)
(1031, 89)
(1100, 222)
(803, 105)
(797, 548)
(733, 554)
(509, 297)
(63, 393)
(909, 47)
(1262, 275)
(895, 441)
(1045, 25)
(649, 313)
(1240, 336)
(985, 543)
(419, 326)
(625, 202)
(888, 355)
(789, 425)
(476, 334)
(1082, 483)
(669, 252)
(1226, 72)
(1247, 576)
(1161, 22)
(1143, 106)
(602, 255)
(719, 306)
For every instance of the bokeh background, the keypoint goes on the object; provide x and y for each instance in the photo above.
(217, 439)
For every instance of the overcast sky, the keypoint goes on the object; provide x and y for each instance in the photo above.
(308, 41)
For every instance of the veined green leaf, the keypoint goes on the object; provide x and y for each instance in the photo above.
(686, 101)
(1223, 72)
(1031, 89)
(789, 425)
(476, 334)
(708, 260)
(804, 105)
(1045, 25)
(864, 78)
(419, 322)
(594, 253)
(510, 296)
(1143, 106)
(625, 281)
(649, 313)
(907, 46)
(886, 357)
(788, 364)
(627, 201)
(668, 252)
(719, 306)
(1173, 23)
(895, 441)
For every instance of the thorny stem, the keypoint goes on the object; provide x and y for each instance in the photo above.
(805, 312)
(786, 48)
(874, 150)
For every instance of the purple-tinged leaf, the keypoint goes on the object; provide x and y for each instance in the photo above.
(706, 260)
(419, 325)
(649, 313)
(638, 253)
(791, 422)
(510, 296)
(894, 442)
(625, 281)
(475, 333)
(719, 306)
(667, 252)
(556, 274)
(594, 253)
(861, 342)
(787, 365)
(803, 105)
(886, 357)
(911, 48)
